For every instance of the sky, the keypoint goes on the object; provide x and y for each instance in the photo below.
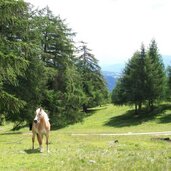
(115, 29)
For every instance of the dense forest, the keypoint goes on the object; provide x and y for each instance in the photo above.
(41, 65)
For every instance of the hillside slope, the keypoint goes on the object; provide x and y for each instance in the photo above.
(121, 119)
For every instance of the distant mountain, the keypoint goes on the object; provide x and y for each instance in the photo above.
(111, 73)
(111, 79)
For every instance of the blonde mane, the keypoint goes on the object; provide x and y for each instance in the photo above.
(40, 110)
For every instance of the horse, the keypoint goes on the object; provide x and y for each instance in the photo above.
(41, 126)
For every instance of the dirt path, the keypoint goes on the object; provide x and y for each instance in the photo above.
(125, 134)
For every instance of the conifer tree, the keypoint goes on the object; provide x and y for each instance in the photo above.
(168, 84)
(155, 76)
(134, 79)
(143, 79)
(93, 82)
(64, 95)
(39, 68)
(119, 95)
(13, 58)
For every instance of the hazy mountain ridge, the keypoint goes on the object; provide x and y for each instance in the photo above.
(111, 74)
(111, 79)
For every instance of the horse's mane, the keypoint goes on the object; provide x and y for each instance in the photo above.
(43, 113)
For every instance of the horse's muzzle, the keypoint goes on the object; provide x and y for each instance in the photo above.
(35, 121)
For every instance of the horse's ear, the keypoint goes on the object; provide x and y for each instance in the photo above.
(40, 109)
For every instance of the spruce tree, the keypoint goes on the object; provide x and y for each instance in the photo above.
(143, 79)
(38, 67)
(13, 57)
(134, 79)
(155, 76)
(168, 84)
(64, 95)
(119, 95)
(93, 82)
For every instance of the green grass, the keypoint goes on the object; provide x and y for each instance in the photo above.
(91, 153)
(114, 119)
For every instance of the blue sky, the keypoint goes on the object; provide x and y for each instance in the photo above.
(115, 29)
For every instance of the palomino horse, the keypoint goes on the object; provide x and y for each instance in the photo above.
(41, 126)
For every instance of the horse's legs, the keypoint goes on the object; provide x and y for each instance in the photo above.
(33, 138)
(47, 142)
(39, 138)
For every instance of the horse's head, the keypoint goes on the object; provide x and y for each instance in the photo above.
(39, 115)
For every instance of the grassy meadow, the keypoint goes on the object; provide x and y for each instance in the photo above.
(91, 152)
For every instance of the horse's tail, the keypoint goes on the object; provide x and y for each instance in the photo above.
(30, 126)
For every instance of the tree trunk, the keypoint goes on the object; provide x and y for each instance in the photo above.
(85, 108)
(150, 105)
(139, 106)
(136, 109)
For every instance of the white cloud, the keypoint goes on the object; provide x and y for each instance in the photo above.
(115, 29)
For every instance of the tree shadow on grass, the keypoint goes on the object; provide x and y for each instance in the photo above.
(91, 111)
(131, 119)
(166, 117)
